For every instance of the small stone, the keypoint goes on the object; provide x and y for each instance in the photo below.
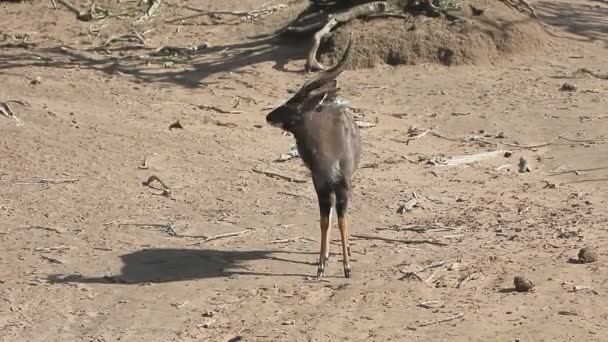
(289, 322)
(36, 80)
(522, 284)
(568, 87)
(587, 255)
(508, 154)
(524, 165)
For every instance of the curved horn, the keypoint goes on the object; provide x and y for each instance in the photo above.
(330, 74)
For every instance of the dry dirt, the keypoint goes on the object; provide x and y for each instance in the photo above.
(88, 253)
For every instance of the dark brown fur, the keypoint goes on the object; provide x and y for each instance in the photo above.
(329, 143)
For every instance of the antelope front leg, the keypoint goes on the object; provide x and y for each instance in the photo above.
(341, 208)
(325, 213)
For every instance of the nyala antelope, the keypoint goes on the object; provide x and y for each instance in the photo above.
(329, 143)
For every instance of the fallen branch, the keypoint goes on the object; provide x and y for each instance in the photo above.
(144, 165)
(46, 181)
(244, 16)
(465, 159)
(577, 172)
(169, 226)
(437, 321)
(166, 190)
(279, 176)
(80, 14)
(340, 18)
(592, 73)
(408, 205)
(219, 110)
(221, 236)
(294, 239)
(128, 37)
(153, 6)
(407, 242)
(421, 228)
(48, 229)
(549, 142)
(407, 142)
(7, 111)
(176, 50)
(465, 280)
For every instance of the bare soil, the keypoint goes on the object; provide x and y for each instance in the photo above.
(88, 253)
(475, 39)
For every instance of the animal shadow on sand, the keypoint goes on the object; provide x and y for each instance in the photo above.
(162, 265)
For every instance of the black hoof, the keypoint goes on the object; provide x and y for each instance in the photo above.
(321, 268)
(348, 272)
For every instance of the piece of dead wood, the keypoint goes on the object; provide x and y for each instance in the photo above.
(219, 110)
(80, 14)
(418, 136)
(51, 249)
(375, 7)
(416, 273)
(221, 236)
(273, 174)
(48, 229)
(592, 73)
(153, 6)
(252, 15)
(464, 280)
(421, 228)
(6, 110)
(50, 259)
(54, 4)
(464, 159)
(127, 37)
(144, 165)
(364, 124)
(168, 227)
(294, 239)
(46, 180)
(408, 205)
(177, 50)
(165, 188)
(407, 242)
(443, 320)
(534, 146)
(291, 154)
(431, 304)
(578, 171)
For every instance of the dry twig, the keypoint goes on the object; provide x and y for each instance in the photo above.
(421, 228)
(219, 110)
(465, 280)
(272, 174)
(153, 6)
(244, 16)
(592, 73)
(291, 240)
(437, 321)
(144, 165)
(407, 242)
(46, 181)
(221, 236)
(534, 146)
(375, 7)
(80, 14)
(166, 190)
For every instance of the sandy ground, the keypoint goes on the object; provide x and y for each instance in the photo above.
(88, 253)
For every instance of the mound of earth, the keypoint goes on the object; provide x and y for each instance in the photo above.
(478, 39)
